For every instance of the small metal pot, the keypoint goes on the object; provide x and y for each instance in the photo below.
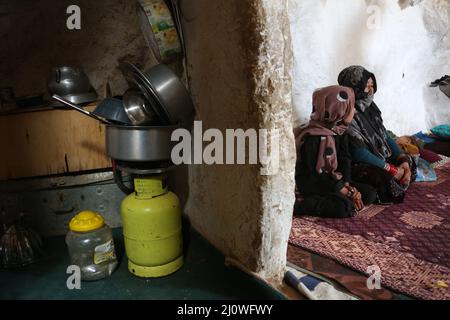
(139, 143)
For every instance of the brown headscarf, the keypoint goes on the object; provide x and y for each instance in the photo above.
(330, 106)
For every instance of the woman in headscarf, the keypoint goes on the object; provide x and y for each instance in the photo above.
(378, 160)
(323, 168)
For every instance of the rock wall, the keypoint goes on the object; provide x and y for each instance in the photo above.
(239, 65)
(34, 38)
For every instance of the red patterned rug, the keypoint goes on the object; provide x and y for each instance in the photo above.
(409, 242)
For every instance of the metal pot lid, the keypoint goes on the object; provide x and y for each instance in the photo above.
(171, 91)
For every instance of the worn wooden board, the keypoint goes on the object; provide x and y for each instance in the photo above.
(50, 142)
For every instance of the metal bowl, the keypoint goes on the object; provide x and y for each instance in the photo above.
(137, 108)
(68, 80)
(112, 109)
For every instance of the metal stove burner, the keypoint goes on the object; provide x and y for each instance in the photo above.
(138, 169)
(143, 171)
(151, 167)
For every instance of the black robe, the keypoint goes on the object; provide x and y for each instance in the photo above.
(308, 180)
(320, 191)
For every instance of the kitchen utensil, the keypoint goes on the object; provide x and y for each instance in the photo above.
(173, 102)
(112, 109)
(171, 93)
(136, 81)
(19, 246)
(139, 143)
(79, 109)
(159, 30)
(136, 107)
(72, 84)
(82, 98)
(68, 80)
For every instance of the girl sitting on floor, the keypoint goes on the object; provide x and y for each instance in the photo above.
(323, 168)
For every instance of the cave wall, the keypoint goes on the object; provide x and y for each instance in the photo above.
(239, 65)
(409, 48)
(34, 38)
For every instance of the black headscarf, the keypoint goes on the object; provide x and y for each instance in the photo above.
(367, 129)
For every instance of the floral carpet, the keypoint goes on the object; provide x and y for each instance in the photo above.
(408, 243)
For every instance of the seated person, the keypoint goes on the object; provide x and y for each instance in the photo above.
(379, 161)
(323, 168)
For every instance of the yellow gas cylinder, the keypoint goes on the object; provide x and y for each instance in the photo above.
(151, 219)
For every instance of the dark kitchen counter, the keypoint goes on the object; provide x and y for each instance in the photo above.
(203, 276)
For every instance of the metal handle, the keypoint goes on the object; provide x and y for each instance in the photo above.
(58, 75)
(79, 109)
(120, 184)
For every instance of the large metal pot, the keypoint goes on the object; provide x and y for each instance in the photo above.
(139, 143)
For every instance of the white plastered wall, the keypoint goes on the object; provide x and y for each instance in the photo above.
(409, 48)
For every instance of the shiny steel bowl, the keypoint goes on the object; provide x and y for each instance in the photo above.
(68, 80)
(137, 108)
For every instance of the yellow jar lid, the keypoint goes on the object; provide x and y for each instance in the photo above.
(86, 221)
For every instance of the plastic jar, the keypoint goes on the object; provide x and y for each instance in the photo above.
(91, 246)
